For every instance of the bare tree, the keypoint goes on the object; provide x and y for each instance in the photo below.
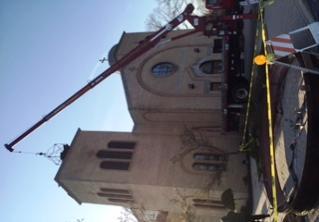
(127, 216)
(193, 140)
(167, 10)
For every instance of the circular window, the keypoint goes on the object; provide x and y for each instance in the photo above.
(211, 67)
(163, 69)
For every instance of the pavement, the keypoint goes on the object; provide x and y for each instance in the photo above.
(281, 17)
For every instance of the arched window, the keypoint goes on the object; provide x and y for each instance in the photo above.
(212, 167)
(116, 195)
(163, 69)
(211, 67)
(208, 203)
(218, 46)
(210, 162)
(208, 156)
(117, 156)
(121, 145)
(114, 155)
(114, 165)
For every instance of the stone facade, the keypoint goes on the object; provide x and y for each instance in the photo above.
(177, 162)
(185, 95)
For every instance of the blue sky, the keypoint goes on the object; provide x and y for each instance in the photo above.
(48, 50)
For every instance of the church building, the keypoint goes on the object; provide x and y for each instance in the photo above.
(179, 159)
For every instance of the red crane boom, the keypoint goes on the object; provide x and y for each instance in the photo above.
(205, 24)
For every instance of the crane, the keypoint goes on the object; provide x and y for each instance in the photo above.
(209, 25)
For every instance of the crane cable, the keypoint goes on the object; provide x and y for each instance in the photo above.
(53, 153)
